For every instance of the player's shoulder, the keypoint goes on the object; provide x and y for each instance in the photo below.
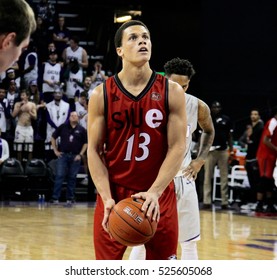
(97, 91)
(203, 105)
(96, 95)
(175, 89)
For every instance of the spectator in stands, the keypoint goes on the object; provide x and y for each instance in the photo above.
(76, 59)
(30, 67)
(40, 37)
(51, 75)
(51, 47)
(218, 155)
(4, 111)
(4, 149)
(98, 75)
(39, 125)
(46, 10)
(11, 74)
(17, 23)
(57, 113)
(250, 140)
(266, 156)
(13, 96)
(60, 37)
(85, 86)
(81, 107)
(69, 151)
(25, 111)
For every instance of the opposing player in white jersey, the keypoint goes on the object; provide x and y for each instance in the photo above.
(198, 112)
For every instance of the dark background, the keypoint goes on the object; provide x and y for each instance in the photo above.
(232, 45)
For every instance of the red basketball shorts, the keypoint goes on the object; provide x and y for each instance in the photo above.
(162, 246)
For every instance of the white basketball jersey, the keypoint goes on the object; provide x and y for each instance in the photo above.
(74, 54)
(192, 120)
(187, 200)
(33, 74)
(72, 86)
(58, 114)
(51, 73)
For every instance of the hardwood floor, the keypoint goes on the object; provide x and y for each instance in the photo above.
(32, 232)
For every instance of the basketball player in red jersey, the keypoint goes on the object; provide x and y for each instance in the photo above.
(266, 156)
(139, 117)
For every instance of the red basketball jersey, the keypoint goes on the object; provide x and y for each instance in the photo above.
(136, 142)
(270, 130)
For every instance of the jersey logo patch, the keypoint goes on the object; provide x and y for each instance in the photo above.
(155, 96)
(115, 98)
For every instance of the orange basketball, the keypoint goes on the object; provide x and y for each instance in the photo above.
(129, 225)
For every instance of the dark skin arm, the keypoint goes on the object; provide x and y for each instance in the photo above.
(206, 140)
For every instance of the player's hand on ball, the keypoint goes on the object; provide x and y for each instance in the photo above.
(108, 205)
(151, 204)
(129, 225)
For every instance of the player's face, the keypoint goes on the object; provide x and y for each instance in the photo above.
(182, 80)
(136, 44)
(10, 52)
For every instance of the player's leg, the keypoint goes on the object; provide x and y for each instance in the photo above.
(105, 247)
(137, 253)
(163, 246)
(188, 217)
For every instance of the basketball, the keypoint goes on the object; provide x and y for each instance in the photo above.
(129, 225)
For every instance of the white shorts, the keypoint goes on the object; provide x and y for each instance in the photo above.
(188, 209)
(24, 134)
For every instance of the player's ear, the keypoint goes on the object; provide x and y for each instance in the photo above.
(119, 51)
(7, 40)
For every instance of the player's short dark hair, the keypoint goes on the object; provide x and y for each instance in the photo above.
(179, 66)
(119, 33)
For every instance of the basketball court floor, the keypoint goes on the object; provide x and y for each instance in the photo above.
(31, 231)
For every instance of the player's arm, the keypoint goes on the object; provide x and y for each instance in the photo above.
(96, 127)
(267, 138)
(176, 135)
(206, 140)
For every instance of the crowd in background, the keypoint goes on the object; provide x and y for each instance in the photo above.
(51, 74)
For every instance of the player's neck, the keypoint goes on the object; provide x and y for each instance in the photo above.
(135, 76)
